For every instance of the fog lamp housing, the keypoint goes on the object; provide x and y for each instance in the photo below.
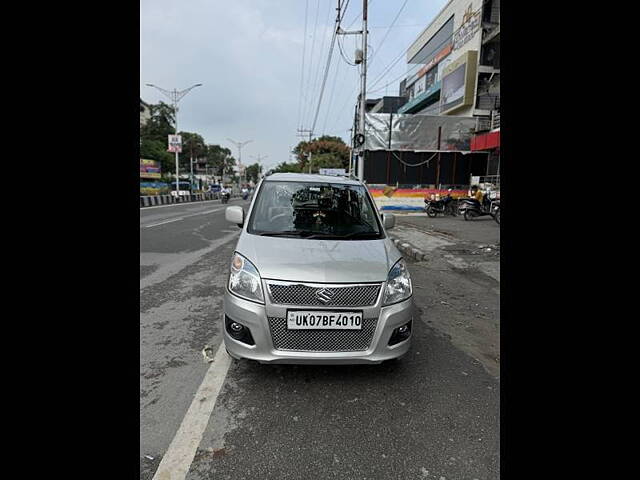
(238, 332)
(401, 333)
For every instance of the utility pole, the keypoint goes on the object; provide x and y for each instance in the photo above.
(302, 133)
(239, 145)
(363, 84)
(363, 87)
(175, 96)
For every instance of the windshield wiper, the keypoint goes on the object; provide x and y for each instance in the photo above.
(287, 233)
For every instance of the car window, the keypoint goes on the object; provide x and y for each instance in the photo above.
(313, 209)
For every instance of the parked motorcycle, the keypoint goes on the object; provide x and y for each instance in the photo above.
(224, 197)
(471, 208)
(495, 208)
(445, 206)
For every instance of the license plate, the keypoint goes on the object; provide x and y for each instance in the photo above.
(322, 320)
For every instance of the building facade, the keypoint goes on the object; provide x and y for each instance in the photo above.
(453, 67)
(145, 112)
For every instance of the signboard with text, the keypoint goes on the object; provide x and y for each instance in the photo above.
(175, 143)
(332, 171)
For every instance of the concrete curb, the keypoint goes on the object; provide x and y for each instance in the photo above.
(409, 250)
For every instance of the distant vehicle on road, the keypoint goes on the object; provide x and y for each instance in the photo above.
(314, 278)
(184, 189)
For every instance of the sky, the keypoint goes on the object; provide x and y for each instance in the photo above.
(249, 54)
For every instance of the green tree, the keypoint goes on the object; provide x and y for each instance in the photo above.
(326, 152)
(154, 136)
(219, 159)
(284, 167)
(193, 146)
(253, 172)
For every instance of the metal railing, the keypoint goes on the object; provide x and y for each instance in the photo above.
(495, 119)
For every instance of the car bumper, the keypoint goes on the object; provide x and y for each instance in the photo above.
(254, 316)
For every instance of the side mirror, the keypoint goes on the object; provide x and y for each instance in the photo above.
(388, 220)
(235, 215)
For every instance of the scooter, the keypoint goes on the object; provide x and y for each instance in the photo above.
(224, 197)
(472, 208)
(444, 206)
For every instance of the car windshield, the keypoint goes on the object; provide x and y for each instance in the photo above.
(314, 210)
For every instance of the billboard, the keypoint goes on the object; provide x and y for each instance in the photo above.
(149, 168)
(458, 82)
(175, 143)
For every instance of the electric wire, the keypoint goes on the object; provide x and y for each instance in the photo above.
(305, 109)
(304, 47)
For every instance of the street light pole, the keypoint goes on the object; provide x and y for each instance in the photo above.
(175, 96)
(259, 158)
(239, 145)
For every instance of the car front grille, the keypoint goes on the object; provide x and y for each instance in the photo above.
(321, 340)
(320, 296)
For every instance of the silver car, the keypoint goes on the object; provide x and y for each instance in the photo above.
(314, 278)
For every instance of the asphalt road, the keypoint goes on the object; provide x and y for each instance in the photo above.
(432, 415)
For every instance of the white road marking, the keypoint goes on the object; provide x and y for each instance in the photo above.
(162, 223)
(182, 218)
(176, 462)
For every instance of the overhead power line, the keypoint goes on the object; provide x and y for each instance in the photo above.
(304, 47)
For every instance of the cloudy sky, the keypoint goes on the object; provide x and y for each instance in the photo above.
(248, 54)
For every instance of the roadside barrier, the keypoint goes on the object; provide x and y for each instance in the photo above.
(152, 200)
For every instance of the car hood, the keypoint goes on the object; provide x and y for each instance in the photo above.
(322, 261)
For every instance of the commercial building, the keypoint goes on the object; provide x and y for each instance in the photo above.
(454, 69)
(447, 129)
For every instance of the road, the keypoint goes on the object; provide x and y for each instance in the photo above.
(432, 415)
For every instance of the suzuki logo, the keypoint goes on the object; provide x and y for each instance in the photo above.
(325, 295)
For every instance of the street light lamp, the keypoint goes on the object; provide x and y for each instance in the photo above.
(239, 145)
(175, 96)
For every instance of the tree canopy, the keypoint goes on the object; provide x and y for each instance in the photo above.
(326, 152)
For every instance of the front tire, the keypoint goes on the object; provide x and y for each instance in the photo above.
(496, 217)
(431, 211)
(469, 214)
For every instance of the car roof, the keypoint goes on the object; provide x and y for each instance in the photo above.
(310, 177)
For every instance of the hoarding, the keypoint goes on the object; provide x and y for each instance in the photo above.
(175, 143)
(452, 93)
(459, 82)
(149, 168)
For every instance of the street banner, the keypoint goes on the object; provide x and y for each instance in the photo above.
(175, 143)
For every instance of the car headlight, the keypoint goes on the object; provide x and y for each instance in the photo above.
(244, 280)
(398, 284)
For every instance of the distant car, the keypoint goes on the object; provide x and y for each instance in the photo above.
(314, 278)
(215, 188)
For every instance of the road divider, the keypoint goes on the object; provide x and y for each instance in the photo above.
(153, 200)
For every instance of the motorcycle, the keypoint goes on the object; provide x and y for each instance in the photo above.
(245, 196)
(444, 206)
(224, 197)
(495, 208)
(471, 208)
